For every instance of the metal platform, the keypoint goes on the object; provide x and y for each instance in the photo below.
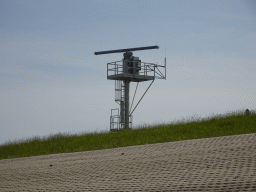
(130, 77)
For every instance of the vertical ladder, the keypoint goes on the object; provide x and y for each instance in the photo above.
(120, 99)
(118, 121)
(119, 91)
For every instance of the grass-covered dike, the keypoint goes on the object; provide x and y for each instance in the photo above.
(234, 123)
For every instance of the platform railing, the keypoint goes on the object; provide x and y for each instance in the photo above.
(115, 121)
(115, 70)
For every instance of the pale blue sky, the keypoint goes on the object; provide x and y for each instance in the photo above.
(51, 81)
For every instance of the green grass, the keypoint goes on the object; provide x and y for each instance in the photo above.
(219, 125)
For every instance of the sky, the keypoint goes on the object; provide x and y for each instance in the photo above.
(52, 82)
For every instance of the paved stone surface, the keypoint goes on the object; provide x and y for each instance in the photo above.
(213, 164)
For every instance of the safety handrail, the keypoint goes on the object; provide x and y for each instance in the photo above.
(147, 69)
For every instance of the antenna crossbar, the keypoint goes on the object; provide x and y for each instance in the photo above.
(126, 50)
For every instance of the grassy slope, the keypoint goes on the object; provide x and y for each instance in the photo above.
(60, 143)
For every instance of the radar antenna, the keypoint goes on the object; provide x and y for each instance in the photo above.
(126, 50)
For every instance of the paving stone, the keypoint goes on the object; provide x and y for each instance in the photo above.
(212, 164)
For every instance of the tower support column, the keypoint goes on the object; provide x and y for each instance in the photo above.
(126, 103)
(122, 112)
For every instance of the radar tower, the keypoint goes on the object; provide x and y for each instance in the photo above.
(129, 69)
